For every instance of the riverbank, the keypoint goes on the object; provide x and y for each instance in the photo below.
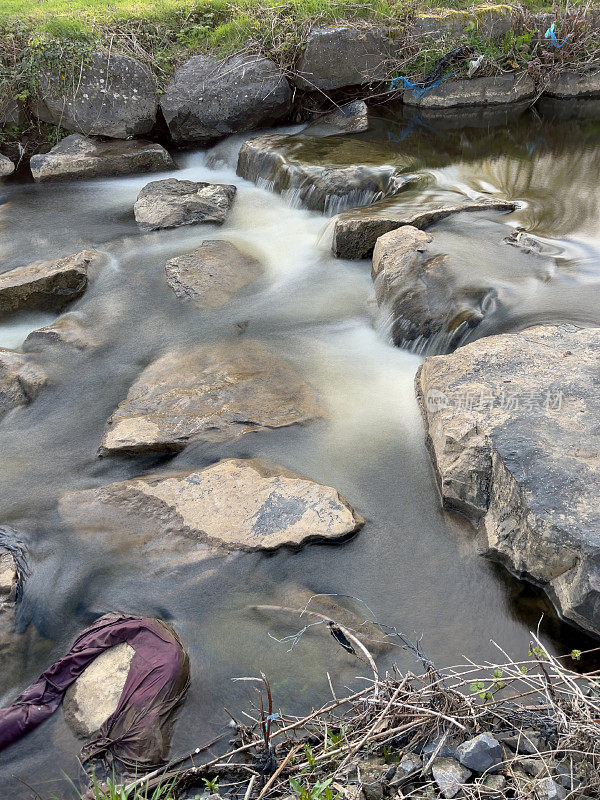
(505, 728)
(314, 54)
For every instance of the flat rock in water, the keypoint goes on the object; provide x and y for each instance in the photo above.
(77, 157)
(512, 428)
(46, 285)
(94, 696)
(356, 231)
(574, 83)
(66, 331)
(171, 203)
(277, 161)
(414, 281)
(499, 90)
(20, 380)
(343, 56)
(350, 118)
(210, 393)
(6, 166)
(207, 99)
(212, 274)
(235, 504)
(112, 95)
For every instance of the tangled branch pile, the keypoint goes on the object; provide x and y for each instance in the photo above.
(510, 729)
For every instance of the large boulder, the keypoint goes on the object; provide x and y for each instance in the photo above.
(574, 84)
(343, 56)
(76, 157)
(212, 275)
(112, 95)
(506, 89)
(171, 203)
(210, 393)
(20, 380)
(94, 696)
(46, 285)
(415, 282)
(235, 504)
(12, 112)
(208, 99)
(356, 231)
(276, 161)
(512, 428)
(6, 166)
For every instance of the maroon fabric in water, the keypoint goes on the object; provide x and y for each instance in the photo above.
(138, 732)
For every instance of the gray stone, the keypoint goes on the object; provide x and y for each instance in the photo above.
(531, 486)
(496, 783)
(20, 380)
(12, 112)
(343, 56)
(113, 95)
(350, 118)
(171, 203)
(409, 766)
(6, 166)
(534, 767)
(525, 742)
(481, 753)
(356, 231)
(210, 393)
(66, 332)
(212, 275)
(46, 285)
(208, 99)
(235, 504)
(438, 25)
(413, 280)
(274, 161)
(94, 696)
(504, 89)
(547, 789)
(574, 84)
(449, 776)
(77, 157)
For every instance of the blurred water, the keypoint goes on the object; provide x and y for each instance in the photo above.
(414, 565)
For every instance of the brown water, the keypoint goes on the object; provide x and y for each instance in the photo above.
(416, 567)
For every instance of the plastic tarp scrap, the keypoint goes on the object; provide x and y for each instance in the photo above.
(137, 734)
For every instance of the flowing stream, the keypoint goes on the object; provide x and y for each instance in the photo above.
(415, 566)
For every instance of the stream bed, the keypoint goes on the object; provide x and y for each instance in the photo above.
(416, 567)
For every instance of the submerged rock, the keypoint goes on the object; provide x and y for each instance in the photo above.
(235, 504)
(510, 88)
(212, 274)
(20, 380)
(512, 430)
(343, 56)
(276, 161)
(356, 231)
(350, 118)
(6, 166)
(112, 95)
(76, 157)
(66, 331)
(415, 282)
(9, 579)
(45, 285)
(210, 393)
(208, 99)
(171, 203)
(94, 696)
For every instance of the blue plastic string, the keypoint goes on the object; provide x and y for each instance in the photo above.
(551, 34)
